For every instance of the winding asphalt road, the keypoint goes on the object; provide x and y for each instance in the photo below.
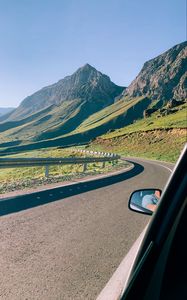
(68, 249)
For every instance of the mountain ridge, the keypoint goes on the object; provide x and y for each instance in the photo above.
(87, 104)
(86, 84)
(163, 77)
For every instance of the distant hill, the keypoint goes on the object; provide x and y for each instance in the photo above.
(5, 110)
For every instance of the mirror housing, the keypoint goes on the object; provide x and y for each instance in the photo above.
(144, 201)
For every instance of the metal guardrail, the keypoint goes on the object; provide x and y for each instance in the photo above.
(33, 161)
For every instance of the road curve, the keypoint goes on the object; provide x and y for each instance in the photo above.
(69, 249)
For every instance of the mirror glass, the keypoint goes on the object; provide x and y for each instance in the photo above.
(145, 201)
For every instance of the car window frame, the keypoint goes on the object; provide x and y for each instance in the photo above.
(160, 225)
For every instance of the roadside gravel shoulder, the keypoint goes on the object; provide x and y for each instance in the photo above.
(48, 186)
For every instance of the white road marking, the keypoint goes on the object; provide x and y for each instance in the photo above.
(164, 167)
(116, 284)
(153, 162)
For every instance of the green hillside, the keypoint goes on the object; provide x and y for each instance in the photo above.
(107, 114)
(176, 119)
(115, 116)
(155, 137)
(26, 130)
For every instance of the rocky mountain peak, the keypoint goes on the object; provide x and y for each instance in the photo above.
(87, 67)
(85, 75)
(164, 77)
(86, 85)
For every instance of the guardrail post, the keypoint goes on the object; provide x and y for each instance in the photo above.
(115, 161)
(46, 171)
(103, 166)
(84, 167)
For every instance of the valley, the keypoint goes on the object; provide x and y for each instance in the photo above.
(87, 108)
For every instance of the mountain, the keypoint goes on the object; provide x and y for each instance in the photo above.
(85, 105)
(85, 85)
(5, 110)
(162, 78)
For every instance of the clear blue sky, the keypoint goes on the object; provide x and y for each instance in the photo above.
(42, 41)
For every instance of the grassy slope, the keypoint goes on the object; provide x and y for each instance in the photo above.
(174, 120)
(114, 116)
(50, 123)
(106, 114)
(158, 138)
(153, 137)
(39, 122)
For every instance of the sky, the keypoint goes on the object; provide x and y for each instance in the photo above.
(42, 41)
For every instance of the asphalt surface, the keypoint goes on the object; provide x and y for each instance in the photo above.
(68, 249)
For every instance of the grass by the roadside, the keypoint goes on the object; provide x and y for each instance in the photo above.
(47, 152)
(23, 178)
(163, 145)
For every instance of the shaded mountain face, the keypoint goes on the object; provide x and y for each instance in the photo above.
(164, 77)
(85, 85)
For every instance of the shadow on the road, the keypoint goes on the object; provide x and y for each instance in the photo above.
(22, 202)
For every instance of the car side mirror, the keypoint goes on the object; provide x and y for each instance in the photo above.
(144, 201)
